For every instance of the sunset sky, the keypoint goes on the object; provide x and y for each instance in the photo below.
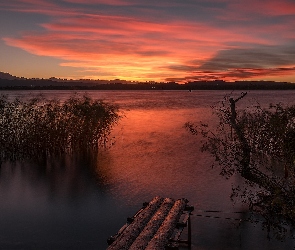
(163, 40)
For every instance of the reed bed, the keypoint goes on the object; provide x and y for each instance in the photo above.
(39, 128)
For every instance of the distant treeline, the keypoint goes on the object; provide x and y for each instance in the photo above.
(46, 84)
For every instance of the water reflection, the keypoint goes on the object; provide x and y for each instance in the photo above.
(59, 204)
(154, 159)
(65, 176)
(78, 202)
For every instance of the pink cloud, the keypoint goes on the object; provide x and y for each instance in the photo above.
(103, 42)
(131, 3)
(107, 2)
(271, 7)
(126, 46)
(35, 6)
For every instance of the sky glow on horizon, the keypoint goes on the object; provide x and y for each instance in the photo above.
(168, 40)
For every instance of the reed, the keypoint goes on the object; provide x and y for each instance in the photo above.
(39, 128)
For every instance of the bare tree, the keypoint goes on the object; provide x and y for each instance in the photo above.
(259, 145)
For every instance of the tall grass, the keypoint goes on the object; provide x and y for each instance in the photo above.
(39, 128)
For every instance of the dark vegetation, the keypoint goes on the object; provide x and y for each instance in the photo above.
(40, 128)
(9, 82)
(259, 145)
(198, 85)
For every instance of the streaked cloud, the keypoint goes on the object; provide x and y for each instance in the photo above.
(268, 8)
(162, 40)
(264, 57)
(241, 63)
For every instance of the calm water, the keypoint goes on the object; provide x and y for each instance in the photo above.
(76, 203)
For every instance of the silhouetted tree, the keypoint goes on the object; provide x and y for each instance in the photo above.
(259, 145)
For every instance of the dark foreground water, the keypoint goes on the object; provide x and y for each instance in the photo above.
(77, 203)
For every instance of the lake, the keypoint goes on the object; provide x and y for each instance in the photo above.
(77, 203)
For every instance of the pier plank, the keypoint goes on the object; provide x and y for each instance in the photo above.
(157, 225)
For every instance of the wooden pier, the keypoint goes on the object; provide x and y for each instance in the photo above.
(157, 225)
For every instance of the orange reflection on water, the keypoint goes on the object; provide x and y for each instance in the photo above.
(153, 155)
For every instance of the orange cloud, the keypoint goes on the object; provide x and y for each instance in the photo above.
(98, 39)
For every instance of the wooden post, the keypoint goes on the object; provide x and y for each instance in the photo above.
(189, 232)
